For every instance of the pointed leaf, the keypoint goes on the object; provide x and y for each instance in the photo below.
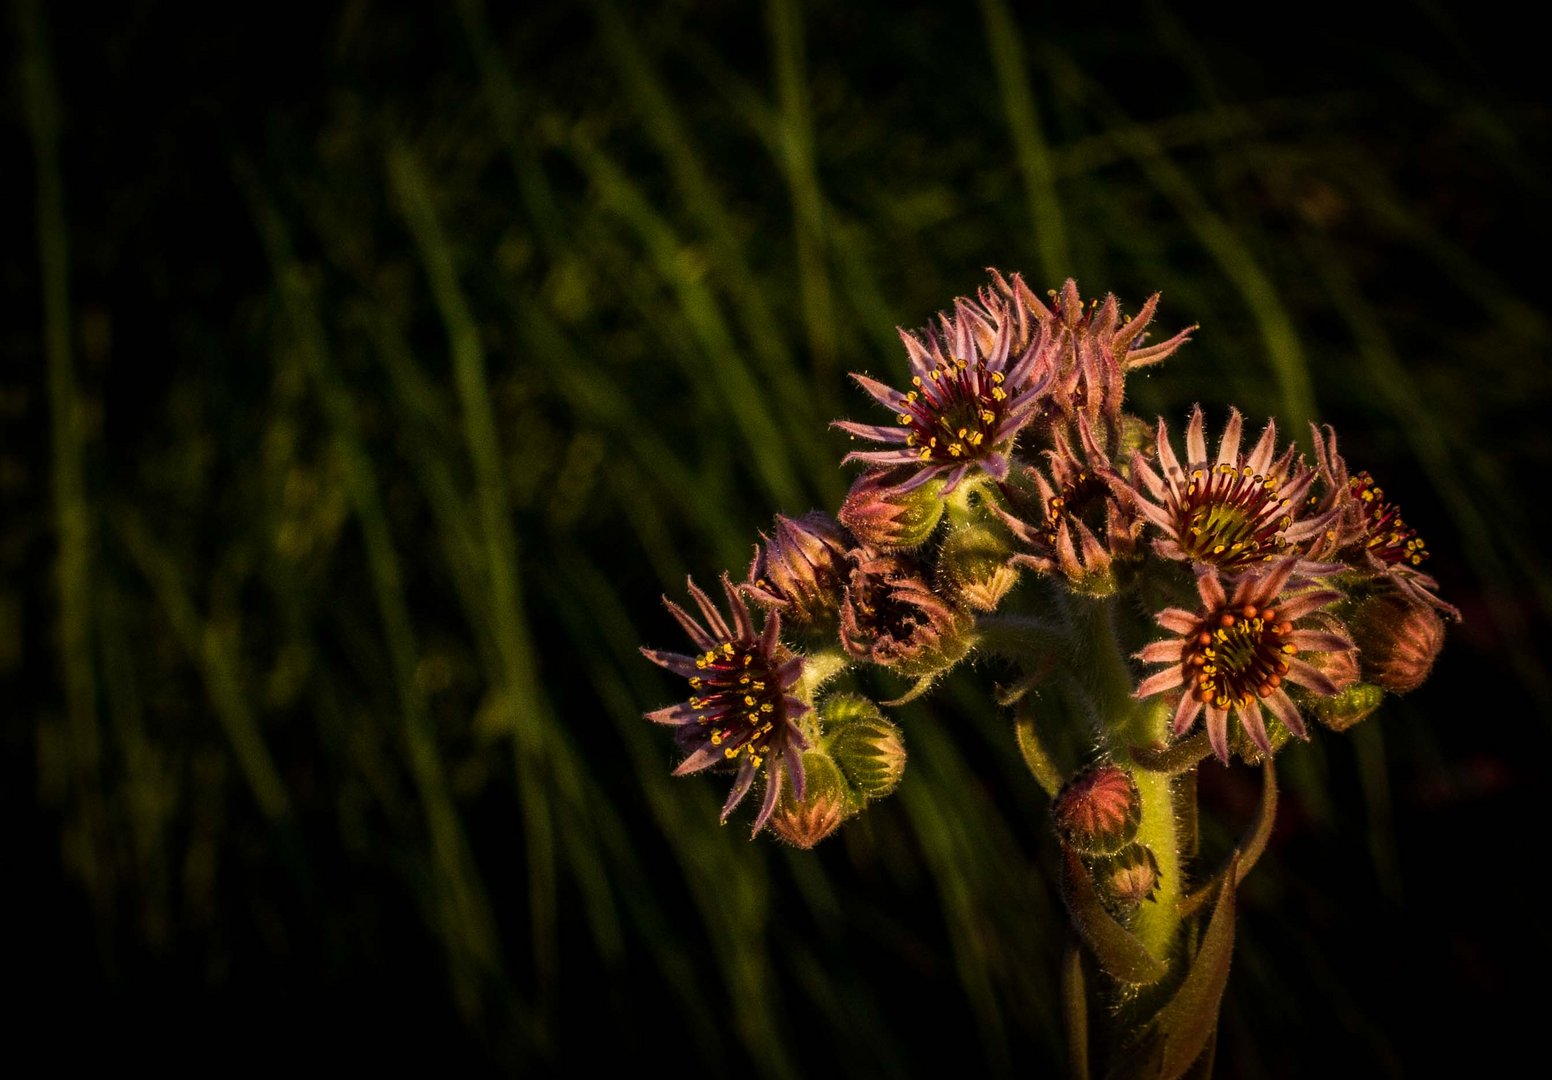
(1254, 844)
(920, 687)
(1075, 1009)
(1188, 1022)
(1119, 952)
(1039, 760)
(1250, 848)
(1202, 1069)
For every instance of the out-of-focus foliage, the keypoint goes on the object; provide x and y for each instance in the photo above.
(368, 375)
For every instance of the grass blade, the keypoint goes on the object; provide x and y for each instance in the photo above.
(72, 513)
(1029, 145)
(467, 926)
(215, 649)
(1234, 257)
(518, 678)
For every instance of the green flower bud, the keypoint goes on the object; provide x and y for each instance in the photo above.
(868, 747)
(973, 567)
(1137, 436)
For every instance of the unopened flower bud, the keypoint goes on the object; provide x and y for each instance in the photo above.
(801, 570)
(973, 567)
(1098, 811)
(1349, 707)
(826, 803)
(1129, 877)
(879, 514)
(891, 617)
(868, 748)
(1398, 640)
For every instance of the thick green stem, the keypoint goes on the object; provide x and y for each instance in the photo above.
(1033, 641)
(1123, 723)
(1157, 919)
(1100, 666)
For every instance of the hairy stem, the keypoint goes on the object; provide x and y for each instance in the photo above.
(1157, 919)
(1123, 723)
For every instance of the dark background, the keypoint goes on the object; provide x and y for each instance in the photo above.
(369, 375)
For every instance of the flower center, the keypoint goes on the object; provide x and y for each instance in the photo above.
(1239, 654)
(738, 697)
(954, 411)
(1232, 517)
(882, 613)
(1387, 537)
(1074, 501)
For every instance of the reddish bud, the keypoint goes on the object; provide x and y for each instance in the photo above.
(1398, 641)
(825, 805)
(880, 515)
(1098, 811)
(1129, 877)
(802, 569)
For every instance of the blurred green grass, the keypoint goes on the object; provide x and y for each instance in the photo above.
(377, 373)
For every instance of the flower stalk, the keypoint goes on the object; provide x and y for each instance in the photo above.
(1158, 920)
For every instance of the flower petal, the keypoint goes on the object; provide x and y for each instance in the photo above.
(1162, 652)
(883, 433)
(768, 804)
(887, 396)
(709, 612)
(1196, 440)
(1185, 714)
(697, 632)
(1307, 675)
(797, 774)
(1168, 462)
(1299, 605)
(681, 713)
(703, 758)
(1159, 682)
(741, 785)
(882, 457)
(1261, 454)
(1319, 641)
(1150, 479)
(1250, 719)
(1284, 709)
(678, 663)
(1218, 732)
(740, 611)
(1210, 589)
(1228, 445)
(1179, 620)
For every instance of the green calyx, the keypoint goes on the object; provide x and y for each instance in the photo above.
(826, 804)
(865, 744)
(1349, 707)
(973, 567)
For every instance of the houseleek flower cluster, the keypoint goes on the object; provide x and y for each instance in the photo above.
(1146, 598)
